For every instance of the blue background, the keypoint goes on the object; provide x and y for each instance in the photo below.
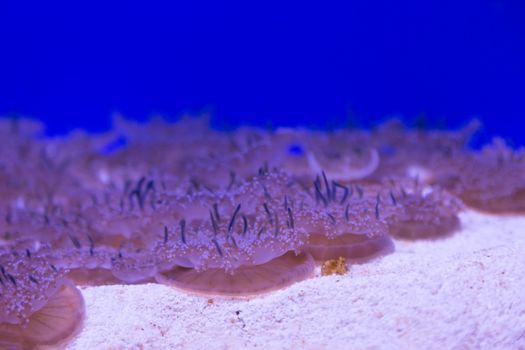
(260, 62)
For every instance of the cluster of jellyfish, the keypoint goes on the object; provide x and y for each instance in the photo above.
(235, 213)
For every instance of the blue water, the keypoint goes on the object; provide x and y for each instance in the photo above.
(268, 63)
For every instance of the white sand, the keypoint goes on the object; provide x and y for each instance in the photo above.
(464, 292)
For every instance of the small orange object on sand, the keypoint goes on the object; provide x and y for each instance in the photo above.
(334, 266)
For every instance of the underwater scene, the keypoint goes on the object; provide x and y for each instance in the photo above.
(285, 176)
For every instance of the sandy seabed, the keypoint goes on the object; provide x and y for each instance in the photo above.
(462, 292)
